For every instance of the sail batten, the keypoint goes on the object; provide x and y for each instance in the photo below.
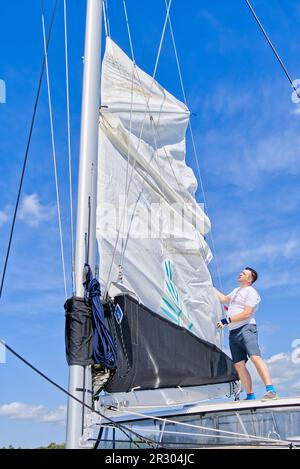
(154, 227)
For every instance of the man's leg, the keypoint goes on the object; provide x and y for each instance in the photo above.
(244, 376)
(262, 369)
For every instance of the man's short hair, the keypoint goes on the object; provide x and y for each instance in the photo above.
(254, 274)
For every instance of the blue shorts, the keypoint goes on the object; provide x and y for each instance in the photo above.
(243, 343)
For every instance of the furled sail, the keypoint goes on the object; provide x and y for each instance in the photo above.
(148, 220)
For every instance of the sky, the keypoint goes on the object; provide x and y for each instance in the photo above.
(246, 129)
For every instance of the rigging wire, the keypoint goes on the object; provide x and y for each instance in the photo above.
(54, 159)
(154, 126)
(128, 149)
(128, 31)
(199, 427)
(27, 152)
(121, 427)
(125, 429)
(140, 137)
(206, 435)
(155, 131)
(272, 47)
(106, 16)
(162, 38)
(194, 149)
(105, 20)
(69, 145)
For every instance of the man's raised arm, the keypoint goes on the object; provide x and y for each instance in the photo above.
(223, 298)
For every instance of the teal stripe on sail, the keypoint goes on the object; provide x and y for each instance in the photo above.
(168, 269)
(171, 307)
(170, 315)
(171, 273)
(171, 291)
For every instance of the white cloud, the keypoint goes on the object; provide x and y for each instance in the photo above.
(248, 133)
(5, 214)
(38, 413)
(276, 261)
(283, 250)
(296, 110)
(32, 212)
(268, 328)
(3, 217)
(285, 374)
(278, 358)
(296, 385)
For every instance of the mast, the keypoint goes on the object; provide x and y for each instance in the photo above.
(79, 376)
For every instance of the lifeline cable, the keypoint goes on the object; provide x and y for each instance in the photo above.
(121, 427)
(27, 151)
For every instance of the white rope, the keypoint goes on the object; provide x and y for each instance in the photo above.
(199, 427)
(54, 158)
(194, 148)
(69, 147)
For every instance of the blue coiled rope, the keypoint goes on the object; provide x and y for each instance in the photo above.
(104, 348)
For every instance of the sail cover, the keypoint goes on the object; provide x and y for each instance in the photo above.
(148, 220)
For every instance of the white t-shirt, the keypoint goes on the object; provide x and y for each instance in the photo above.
(239, 299)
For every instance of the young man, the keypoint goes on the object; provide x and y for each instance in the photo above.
(243, 303)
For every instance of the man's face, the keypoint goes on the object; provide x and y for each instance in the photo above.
(245, 276)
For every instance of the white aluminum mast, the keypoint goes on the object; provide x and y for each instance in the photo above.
(79, 376)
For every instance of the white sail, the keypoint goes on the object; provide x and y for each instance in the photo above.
(159, 238)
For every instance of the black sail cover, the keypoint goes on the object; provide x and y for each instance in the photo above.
(78, 332)
(156, 353)
(152, 352)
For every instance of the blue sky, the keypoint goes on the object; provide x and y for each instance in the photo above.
(246, 129)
